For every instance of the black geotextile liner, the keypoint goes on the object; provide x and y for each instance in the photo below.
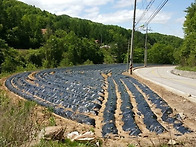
(108, 114)
(79, 88)
(126, 108)
(109, 127)
(77, 117)
(74, 91)
(60, 111)
(149, 119)
(163, 106)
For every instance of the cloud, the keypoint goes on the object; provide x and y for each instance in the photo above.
(160, 18)
(124, 16)
(95, 2)
(102, 11)
(92, 12)
(117, 17)
(125, 3)
(73, 11)
(70, 7)
(180, 20)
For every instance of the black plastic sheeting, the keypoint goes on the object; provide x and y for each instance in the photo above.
(75, 88)
(108, 114)
(59, 111)
(126, 108)
(74, 92)
(163, 106)
(150, 118)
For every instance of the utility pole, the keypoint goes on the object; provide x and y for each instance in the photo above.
(145, 50)
(132, 40)
(128, 55)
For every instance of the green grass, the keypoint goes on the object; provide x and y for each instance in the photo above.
(186, 68)
(16, 121)
(2, 75)
(65, 143)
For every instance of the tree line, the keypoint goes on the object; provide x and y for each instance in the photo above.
(31, 38)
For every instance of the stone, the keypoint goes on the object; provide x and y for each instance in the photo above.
(171, 142)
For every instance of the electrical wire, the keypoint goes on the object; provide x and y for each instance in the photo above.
(156, 12)
(145, 11)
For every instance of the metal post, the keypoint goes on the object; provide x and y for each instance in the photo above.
(145, 50)
(132, 40)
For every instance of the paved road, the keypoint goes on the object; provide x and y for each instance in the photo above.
(185, 87)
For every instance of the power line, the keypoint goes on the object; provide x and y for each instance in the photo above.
(156, 12)
(145, 11)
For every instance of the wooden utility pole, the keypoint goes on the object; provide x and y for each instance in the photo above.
(132, 40)
(128, 55)
(145, 50)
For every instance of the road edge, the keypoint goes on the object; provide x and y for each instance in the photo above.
(187, 96)
(187, 74)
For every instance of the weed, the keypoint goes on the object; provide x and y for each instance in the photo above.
(186, 68)
(131, 145)
(92, 129)
(52, 121)
(50, 109)
(164, 145)
(16, 122)
(65, 143)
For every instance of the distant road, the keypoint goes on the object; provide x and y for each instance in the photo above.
(183, 86)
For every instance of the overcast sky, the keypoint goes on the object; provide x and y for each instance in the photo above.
(120, 12)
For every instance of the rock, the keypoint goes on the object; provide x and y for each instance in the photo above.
(81, 137)
(72, 135)
(171, 142)
(52, 133)
(180, 116)
(49, 133)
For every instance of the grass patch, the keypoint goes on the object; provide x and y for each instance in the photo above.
(65, 143)
(187, 68)
(17, 125)
(52, 121)
(2, 75)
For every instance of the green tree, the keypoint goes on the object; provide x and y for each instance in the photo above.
(188, 50)
(138, 55)
(52, 52)
(12, 60)
(161, 54)
(3, 47)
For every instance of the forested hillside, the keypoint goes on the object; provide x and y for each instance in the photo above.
(56, 41)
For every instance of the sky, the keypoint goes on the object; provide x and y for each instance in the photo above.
(120, 12)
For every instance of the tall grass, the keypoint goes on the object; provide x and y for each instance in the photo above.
(16, 122)
(19, 125)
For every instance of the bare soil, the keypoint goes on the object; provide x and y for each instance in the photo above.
(177, 103)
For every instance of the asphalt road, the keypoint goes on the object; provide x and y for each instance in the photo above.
(162, 76)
